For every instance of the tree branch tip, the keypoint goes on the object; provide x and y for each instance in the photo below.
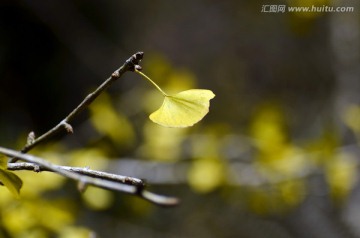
(137, 57)
(139, 183)
(134, 61)
(170, 202)
(159, 199)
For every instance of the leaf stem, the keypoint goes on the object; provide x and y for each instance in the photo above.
(149, 79)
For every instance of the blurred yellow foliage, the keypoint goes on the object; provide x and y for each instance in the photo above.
(265, 201)
(75, 232)
(205, 145)
(341, 174)
(37, 183)
(109, 122)
(352, 119)
(277, 157)
(278, 161)
(138, 206)
(268, 129)
(323, 148)
(179, 80)
(285, 163)
(208, 171)
(92, 158)
(98, 199)
(161, 143)
(277, 198)
(158, 67)
(292, 192)
(205, 175)
(22, 216)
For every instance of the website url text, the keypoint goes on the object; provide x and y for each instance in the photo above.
(313, 8)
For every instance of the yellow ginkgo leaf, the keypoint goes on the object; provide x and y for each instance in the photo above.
(11, 181)
(183, 109)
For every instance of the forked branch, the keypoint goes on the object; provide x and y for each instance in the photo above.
(130, 65)
(89, 177)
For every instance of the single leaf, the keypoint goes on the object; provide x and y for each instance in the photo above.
(11, 181)
(183, 109)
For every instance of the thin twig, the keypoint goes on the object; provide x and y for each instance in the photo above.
(84, 171)
(87, 180)
(130, 65)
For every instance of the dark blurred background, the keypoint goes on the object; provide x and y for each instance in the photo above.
(278, 154)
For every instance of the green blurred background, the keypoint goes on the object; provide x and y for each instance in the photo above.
(277, 156)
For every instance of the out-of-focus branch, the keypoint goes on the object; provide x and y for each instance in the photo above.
(89, 177)
(130, 65)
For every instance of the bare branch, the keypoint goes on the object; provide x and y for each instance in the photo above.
(94, 178)
(84, 171)
(129, 65)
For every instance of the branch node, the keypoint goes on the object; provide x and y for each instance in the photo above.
(116, 74)
(37, 168)
(138, 67)
(30, 138)
(68, 127)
